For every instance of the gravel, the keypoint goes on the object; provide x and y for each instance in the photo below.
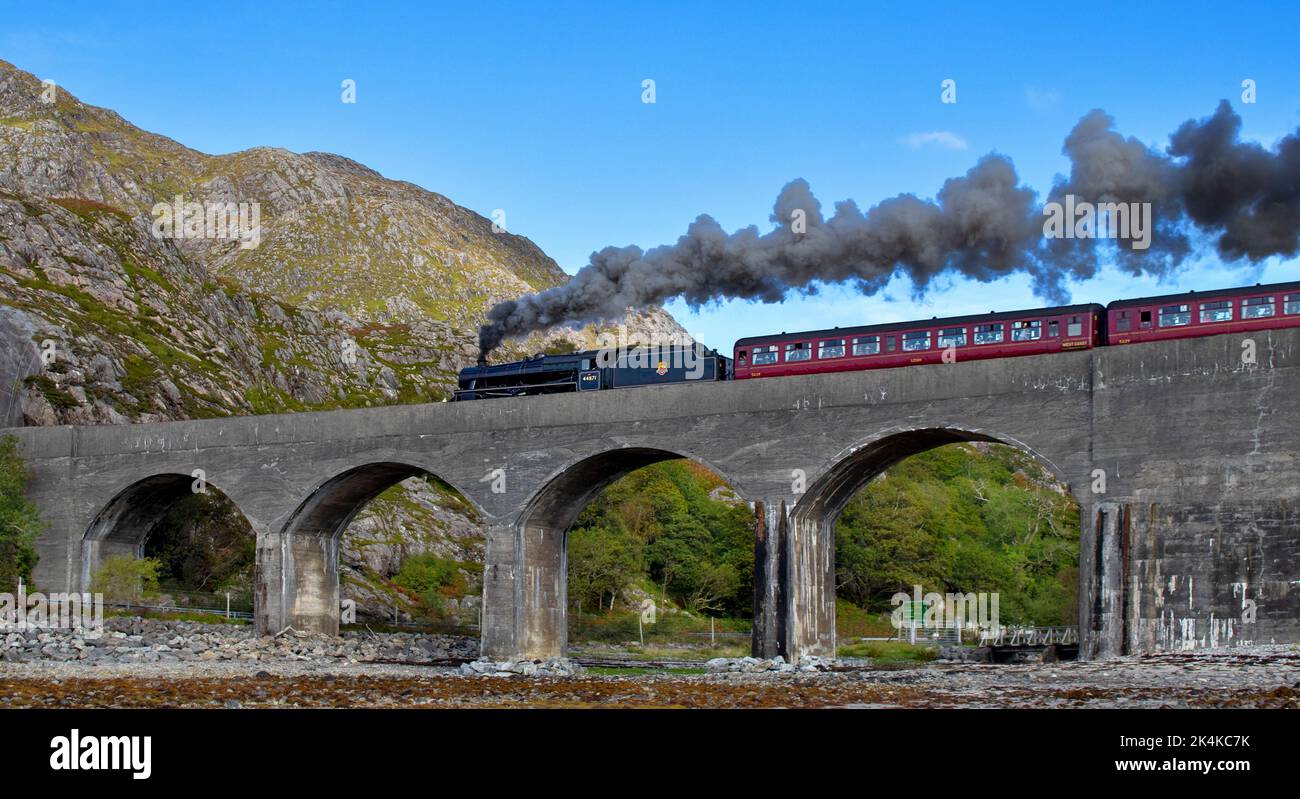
(403, 670)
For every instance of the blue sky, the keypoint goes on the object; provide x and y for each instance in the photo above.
(536, 109)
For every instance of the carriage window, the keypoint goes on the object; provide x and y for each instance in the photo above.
(1075, 328)
(1053, 329)
(916, 340)
(1175, 315)
(1123, 323)
(798, 351)
(1031, 330)
(1146, 319)
(952, 337)
(1257, 307)
(1291, 304)
(765, 355)
(866, 345)
(988, 334)
(889, 343)
(832, 348)
(1216, 311)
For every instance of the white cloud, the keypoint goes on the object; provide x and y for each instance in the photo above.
(944, 139)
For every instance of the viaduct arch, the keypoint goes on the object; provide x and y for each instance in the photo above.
(127, 520)
(798, 542)
(1197, 455)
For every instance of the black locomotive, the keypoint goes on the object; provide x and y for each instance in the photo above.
(593, 370)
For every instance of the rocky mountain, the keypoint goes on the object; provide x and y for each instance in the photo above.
(100, 323)
(141, 280)
(343, 288)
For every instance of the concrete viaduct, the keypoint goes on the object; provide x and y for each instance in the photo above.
(1184, 457)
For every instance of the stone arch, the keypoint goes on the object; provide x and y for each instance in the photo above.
(297, 582)
(800, 613)
(125, 522)
(536, 588)
(567, 491)
(857, 465)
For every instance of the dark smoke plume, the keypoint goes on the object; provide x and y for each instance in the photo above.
(1207, 186)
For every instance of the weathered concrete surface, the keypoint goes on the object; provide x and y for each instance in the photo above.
(1198, 516)
(1203, 454)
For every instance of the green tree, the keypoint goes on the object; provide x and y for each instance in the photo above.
(963, 518)
(203, 543)
(122, 578)
(603, 560)
(20, 524)
(887, 540)
(663, 524)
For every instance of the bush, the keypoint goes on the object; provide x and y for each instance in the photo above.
(20, 524)
(126, 579)
(431, 579)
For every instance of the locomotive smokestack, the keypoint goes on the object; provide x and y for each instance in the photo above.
(482, 360)
(1207, 188)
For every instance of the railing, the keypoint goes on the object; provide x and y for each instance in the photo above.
(918, 633)
(1028, 636)
(247, 615)
(231, 605)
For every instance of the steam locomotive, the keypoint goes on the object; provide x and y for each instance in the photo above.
(593, 370)
(1007, 334)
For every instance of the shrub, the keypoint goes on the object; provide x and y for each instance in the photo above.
(122, 578)
(431, 580)
(20, 524)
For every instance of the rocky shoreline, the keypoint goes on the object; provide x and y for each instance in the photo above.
(133, 640)
(150, 663)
